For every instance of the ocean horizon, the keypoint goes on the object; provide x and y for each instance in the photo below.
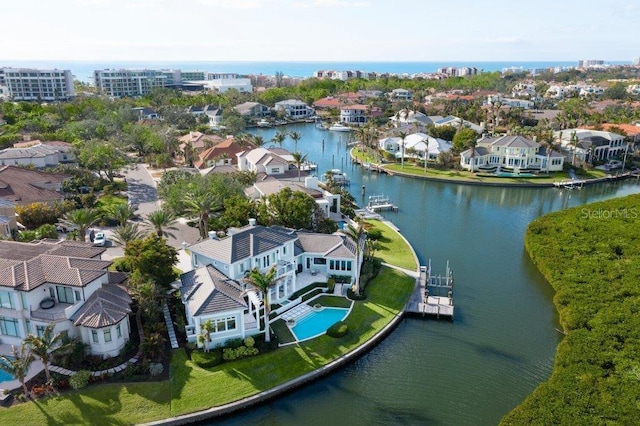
(83, 70)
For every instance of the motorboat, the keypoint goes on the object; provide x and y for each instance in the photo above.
(337, 127)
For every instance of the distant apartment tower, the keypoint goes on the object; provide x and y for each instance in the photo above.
(586, 63)
(636, 60)
(458, 71)
(31, 84)
(137, 82)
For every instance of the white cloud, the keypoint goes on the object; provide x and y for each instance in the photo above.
(234, 4)
(331, 3)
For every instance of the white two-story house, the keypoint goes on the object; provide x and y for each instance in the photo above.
(64, 284)
(511, 153)
(214, 290)
(261, 160)
(294, 109)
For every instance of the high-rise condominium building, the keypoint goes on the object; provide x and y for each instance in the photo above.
(30, 84)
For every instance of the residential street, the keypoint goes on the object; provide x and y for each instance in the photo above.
(143, 195)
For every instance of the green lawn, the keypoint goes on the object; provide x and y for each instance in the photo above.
(332, 301)
(281, 330)
(113, 404)
(393, 249)
(192, 388)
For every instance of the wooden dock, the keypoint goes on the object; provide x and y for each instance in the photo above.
(432, 295)
(378, 203)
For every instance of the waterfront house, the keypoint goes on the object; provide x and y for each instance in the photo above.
(262, 160)
(510, 153)
(252, 110)
(354, 114)
(415, 146)
(215, 290)
(64, 284)
(25, 186)
(587, 143)
(294, 109)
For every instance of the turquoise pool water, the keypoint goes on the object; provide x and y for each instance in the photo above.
(4, 376)
(317, 322)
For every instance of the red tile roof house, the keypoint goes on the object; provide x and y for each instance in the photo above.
(222, 154)
(196, 142)
(24, 186)
(64, 284)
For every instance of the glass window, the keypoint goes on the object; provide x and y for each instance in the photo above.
(78, 296)
(65, 295)
(118, 331)
(6, 301)
(107, 335)
(27, 324)
(9, 327)
(94, 336)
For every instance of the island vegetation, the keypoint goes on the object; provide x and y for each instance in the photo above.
(590, 255)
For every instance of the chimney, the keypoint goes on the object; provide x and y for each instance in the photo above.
(252, 222)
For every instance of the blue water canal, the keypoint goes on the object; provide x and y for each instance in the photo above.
(502, 342)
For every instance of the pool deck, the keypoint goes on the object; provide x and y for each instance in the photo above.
(35, 368)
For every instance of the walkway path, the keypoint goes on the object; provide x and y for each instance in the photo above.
(172, 332)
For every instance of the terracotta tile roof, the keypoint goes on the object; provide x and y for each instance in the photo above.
(46, 268)
(25, 186)
(106, 307)
(629, 129)
(199, 140)
(229, 147)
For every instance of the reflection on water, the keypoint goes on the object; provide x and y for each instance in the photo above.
(502, 342)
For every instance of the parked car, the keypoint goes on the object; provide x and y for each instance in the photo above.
(100, 239)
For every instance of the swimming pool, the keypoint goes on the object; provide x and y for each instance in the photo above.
(5, 377)
(317, 322)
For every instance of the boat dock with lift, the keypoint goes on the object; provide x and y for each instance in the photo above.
(433, 294)
(379, 203)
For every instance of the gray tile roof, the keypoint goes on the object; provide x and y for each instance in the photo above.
(515, 142)
(36, 151)
(243, 243)
(26, 251)
(206, 290)
(107, 306)
(328, 245)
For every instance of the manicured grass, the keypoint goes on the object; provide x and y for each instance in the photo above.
(306, 289)
(392, 248)
(590, 255)
(113, 404)
(192, 388)
(386, 295)
(331, 302)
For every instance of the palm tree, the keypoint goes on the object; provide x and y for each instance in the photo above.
(123, 234)
(299, 159)
(18, 365)
(263, 282)
(200, 203)
(279, 138)
(121, 213)
(257, 141)
(43, 346)
(161, 221)
(206, 328)
(355, 233)
(296, 136)
(82, 219)
(574, 143)
(402, 135)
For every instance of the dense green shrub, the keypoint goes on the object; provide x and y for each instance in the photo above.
(312, 294)
(236, 342)
(80, 379)
(206, 359)
(47, 231)
(331, 285)
(25, 236)
(339, 329)
(250, 342)
(229, 354)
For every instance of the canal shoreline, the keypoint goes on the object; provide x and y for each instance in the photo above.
(382, 169)
(307, 378)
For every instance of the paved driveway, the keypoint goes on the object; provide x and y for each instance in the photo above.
(144, 196)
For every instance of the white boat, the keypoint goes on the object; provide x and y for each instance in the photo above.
(337, 127)
(264, 123)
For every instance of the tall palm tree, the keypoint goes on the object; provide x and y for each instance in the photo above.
(123, 234)
(82, 219)
(206, 328)
(574, 143)
(257, 141)
(355, 233)
(161, 221)
(18, 365)
(279, 138)
(121, 213)
(263, 282)
(43, 346)
(402, 135)
(299, 159)
(200, 203)
(296, 136)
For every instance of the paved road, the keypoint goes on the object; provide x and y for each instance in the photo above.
(143, 194)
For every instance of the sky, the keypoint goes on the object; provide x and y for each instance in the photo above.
(319, 30)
